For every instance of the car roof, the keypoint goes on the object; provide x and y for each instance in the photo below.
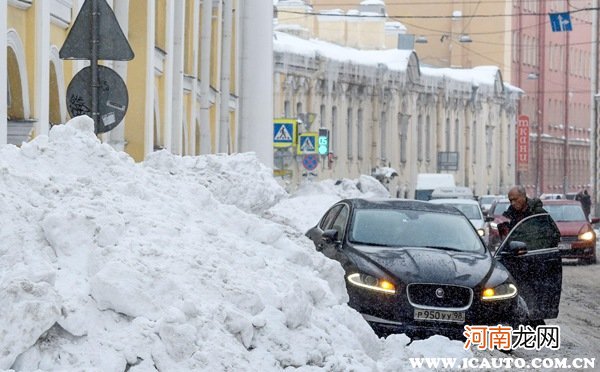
(395, 203)
(455, 201)
(560, 202)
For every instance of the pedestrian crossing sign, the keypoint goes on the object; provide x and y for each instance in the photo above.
(307, 143)
(284, 132)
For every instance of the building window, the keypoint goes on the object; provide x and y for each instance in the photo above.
(349, 129)
(447, 134)
(489, 144)
(428, 138)
(359, 134)
(420, 138)
(332, 137)
(286, 109)
(382, 136)
(322, 116)
(403, 124)
(474, 141)
(456, 135)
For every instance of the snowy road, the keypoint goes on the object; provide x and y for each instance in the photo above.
(578, 319)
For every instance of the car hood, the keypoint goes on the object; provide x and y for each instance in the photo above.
(426, 265)
(570, 228)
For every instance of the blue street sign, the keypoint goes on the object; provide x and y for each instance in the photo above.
(307, 143)
(284, 133)
(561, 22)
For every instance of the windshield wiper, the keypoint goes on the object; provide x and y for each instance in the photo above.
(375, 244)
(442, 248)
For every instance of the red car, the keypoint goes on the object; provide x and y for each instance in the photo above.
(494, 217)
(578, 238)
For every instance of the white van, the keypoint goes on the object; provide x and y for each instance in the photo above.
(427, 182)
(456, 192)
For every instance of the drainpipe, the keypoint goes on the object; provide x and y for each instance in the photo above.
(256, 85)
(595, 119)
(566, 129)
(205, 36)
(540, 99)
(42, 65)
(3, 75)
(224, 125)
(177, 70)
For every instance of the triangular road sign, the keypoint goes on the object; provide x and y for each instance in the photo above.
(308, 145)
(283, 134)
(112, 43)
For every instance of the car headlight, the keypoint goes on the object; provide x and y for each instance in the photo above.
(371, 282)
(501, 292)
(587, 236)
(493, 225)
(481, 232)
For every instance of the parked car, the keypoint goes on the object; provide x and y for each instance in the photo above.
(571, 195)
(578, 238)
(420, 268)
(495, 217)
(471, 209)
(485, 201)
(552, 196)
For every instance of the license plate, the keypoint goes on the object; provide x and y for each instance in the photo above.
(564, 246)
(440, 316)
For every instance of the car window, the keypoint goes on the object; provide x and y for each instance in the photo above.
(469, 210)
(500, 208)
(410, 228)
(328, 219)
(339, 223)
(538, 232)
(486, 199)
(565, 213)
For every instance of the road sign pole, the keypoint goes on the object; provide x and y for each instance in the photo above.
(94, 65)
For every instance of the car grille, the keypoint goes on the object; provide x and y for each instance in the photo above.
(568, 239)
(439, 296)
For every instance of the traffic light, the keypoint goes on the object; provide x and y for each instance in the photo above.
(323, 141)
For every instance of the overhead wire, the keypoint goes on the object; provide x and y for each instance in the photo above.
(497, 15)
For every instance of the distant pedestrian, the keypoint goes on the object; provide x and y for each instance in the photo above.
(586, 204)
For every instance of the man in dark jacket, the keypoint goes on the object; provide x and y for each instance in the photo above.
(520, 207)
(586, 204)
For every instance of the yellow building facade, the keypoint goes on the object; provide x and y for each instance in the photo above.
(388, 114)
(183, 83)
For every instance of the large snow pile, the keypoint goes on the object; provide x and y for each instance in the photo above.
(171, 265)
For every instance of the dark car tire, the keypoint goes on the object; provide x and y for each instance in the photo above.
(522, 313)
(588, 261)
(522, 316)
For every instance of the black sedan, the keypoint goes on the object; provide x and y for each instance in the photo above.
(420, 268)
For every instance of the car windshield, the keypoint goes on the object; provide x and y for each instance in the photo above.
(402, 228)
(565, 213)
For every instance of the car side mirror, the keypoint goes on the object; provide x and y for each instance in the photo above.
(330, 236)
(515, 248)
(489, 218)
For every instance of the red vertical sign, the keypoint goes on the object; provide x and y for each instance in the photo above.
(523, 143)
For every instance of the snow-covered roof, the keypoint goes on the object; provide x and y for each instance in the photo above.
(394, 59)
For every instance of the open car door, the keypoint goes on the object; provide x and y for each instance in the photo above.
(530, 253)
